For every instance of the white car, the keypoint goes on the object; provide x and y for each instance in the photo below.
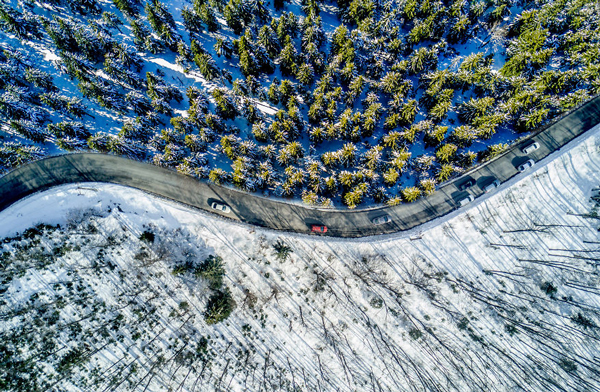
(526, 165)
(530, 148)
(220, 207)
(490, 187)
(380, 220)
(463, 202)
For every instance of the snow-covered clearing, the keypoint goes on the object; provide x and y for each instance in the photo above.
(505, 296)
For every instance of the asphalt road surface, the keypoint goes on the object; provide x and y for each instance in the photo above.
(277, 214)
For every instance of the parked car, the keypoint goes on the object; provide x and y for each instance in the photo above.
(220, 207)
(319, 229)
(526, 165)
(380, 220)
(530, 148)
(491, 186)
(464, 201)
(467, 184)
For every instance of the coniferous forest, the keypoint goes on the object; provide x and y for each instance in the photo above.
(339, 103)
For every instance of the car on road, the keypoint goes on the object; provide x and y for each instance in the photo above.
(526, 165)
(319, 229)
(220, 207)
(491, 186)
(466, 200)
(531, 147)
(380, 220)
(467, 184)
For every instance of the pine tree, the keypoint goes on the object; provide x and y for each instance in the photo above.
(474, 108)
(446, 152)
(354, 197)
(99, 142)
(273, 93)
(427, 186)
(422, 60)
(29, 130)
(305, 74)
(408, 112)
(207, 65)
(234, 17)
(219, 307)
(24, 26)
(212, 270)
(14, 154)
(191, 20)
(444, 173)
(225, 106)
(218, 176)
(70, 129)
(138, 102)
(459, 30)
(411, 194)
(127, 7)
(209, 18)
(435, 135)
(286, 91)
(287, 57)
(360, 10)
(391, 176)
(267, 38)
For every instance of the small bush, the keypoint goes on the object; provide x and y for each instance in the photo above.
(415, 333)
(147, 236)
(71, 358)
(282, 251)
(548, 288)
(585, 322)
(567, 365)
(181, 269)
(511, 329)
(376, 302)
(463, 323)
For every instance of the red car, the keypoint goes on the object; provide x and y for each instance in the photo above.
(319, 229)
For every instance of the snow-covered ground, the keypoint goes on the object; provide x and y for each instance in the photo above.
(503, 297)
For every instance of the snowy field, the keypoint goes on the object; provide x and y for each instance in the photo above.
(503, 297)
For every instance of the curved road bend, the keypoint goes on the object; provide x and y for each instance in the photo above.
(277, 214)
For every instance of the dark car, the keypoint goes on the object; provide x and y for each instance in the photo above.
(319, 229)
(467, 184)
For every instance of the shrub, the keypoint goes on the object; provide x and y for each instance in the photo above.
(281, 250)
(511, 329)
(147, 236)
(415, 333)
(585, 322)
(548, 288)
(376, 302)
(567, 365)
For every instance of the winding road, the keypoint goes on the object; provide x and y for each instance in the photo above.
(278, 214)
